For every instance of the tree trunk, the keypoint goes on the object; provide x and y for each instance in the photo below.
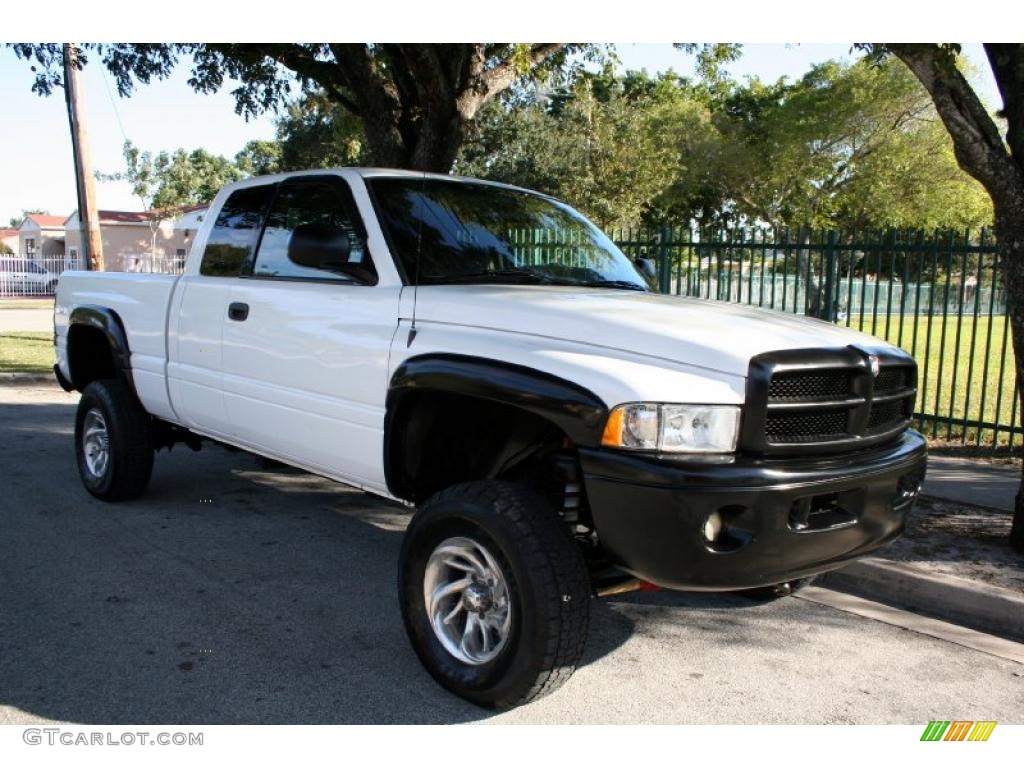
(805, 271)
(430, 143)
(1009, 221)
(437, 144)
(996, 162)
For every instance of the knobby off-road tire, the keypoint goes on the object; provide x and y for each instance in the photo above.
(529, 591)
(113, 441)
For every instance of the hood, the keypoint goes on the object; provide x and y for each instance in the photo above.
(710, 334)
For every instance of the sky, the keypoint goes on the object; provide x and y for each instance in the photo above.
(36, 166)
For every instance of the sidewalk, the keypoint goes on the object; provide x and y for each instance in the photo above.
(954, 561)
(972, 482)
(30, 319)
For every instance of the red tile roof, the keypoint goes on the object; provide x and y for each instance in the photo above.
(141, 217)
(123, 217)
(7, 232)
(45, 220)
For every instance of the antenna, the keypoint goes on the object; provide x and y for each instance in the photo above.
(416, 268)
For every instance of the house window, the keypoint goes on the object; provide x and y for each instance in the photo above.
(30, 245)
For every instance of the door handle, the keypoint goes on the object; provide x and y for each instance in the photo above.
(238, 311)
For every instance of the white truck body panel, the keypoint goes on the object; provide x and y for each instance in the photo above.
(701, 334)
(305, 378)
(142, 303)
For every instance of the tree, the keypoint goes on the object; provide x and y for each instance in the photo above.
(259, 158)
(314, 132)
(166, 182)
(589, 145)
(844, 146)
(994, 157)
(416, 102)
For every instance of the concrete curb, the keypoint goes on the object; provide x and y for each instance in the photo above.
(27, 379)
(984, 607)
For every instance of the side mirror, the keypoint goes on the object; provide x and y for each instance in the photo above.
(324, 247)
(318, 246)
(647, 267)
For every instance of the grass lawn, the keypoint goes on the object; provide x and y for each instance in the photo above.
(973, 377)
(26, 352)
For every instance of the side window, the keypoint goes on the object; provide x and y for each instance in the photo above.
(313, 232)
(235, 232)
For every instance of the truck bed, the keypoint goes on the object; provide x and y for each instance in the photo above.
(142, 302)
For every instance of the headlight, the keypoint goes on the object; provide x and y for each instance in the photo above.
(673, 428)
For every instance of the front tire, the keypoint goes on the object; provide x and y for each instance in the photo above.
(494, 593)
(113, 441)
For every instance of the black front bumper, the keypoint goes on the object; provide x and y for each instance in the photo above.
(780, 519)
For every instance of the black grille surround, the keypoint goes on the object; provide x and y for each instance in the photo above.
(805, 402)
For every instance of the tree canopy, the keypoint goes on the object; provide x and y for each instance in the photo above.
(846, 146)
(415, 101)
(170, 180)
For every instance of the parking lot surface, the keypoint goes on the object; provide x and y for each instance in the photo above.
(230, 594)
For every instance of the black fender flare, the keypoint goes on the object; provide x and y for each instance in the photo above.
(577, 411)
(107, 322)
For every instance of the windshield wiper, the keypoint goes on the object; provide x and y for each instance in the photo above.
(627, 284)
(496, 275)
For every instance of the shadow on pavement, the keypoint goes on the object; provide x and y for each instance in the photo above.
(225, 595)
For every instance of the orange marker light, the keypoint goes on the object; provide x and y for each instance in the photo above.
(613, 428)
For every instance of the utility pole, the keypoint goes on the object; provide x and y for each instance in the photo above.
(92, 245)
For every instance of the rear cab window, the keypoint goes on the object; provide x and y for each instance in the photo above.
(236, 231)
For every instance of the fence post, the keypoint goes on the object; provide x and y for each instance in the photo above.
(665, 260)
(830, 278)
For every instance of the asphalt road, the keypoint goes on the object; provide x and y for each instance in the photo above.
(234, 595)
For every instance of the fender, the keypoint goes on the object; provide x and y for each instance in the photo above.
(577, 411)
(109, 324)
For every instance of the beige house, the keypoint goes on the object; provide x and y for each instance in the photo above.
(41, 236)
(134, 242)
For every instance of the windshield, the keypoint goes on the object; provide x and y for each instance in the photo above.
(476, 233)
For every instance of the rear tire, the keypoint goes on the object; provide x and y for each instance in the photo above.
(113, 441)
(523, 579)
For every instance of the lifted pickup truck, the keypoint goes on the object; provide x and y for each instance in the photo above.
(487, 356)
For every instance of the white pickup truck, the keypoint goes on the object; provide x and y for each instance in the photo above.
(487, 356)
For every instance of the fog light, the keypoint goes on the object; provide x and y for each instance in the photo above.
(712, 527)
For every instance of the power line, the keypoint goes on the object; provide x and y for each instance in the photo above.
(113, 104)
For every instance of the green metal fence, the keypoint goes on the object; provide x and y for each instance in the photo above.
(939, 296)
